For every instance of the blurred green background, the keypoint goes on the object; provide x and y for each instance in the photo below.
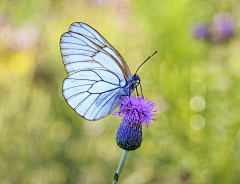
(194, 83)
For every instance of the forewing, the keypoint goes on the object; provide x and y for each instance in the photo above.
(93, 94)
(83, 48)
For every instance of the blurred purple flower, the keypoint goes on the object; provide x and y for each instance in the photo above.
(135, 111)
(101, 2)
(220, 31)
(222, 28)
(200, 30)
(25, 37)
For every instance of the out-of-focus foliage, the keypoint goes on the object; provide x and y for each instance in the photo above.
(195, 84)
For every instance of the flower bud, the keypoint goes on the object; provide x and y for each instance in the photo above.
(129, 135)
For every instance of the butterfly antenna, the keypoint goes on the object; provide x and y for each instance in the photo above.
(146, 60)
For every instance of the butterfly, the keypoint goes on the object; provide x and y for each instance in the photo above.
(97, 74)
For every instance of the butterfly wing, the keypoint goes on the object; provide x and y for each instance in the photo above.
(97, 72)
(93, 94)
(82, 47)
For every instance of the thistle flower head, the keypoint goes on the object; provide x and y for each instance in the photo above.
(136, 110)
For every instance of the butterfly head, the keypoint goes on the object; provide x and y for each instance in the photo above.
(135, 78)
(134, 81)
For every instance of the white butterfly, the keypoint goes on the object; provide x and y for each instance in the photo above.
(97, 73)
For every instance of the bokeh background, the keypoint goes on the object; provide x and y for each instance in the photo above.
(194, 80)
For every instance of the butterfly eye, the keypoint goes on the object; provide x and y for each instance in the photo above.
(135, 77)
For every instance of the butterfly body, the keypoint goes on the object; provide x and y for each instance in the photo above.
(97, 73)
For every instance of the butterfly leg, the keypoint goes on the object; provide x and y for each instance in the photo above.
(141, 89)
(137, 91)
(136, 85)
(129, 94)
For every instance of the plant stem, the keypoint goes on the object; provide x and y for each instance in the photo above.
(120, 166)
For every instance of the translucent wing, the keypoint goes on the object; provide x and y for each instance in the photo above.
(97, 72)
(93, 94)
(82, 48)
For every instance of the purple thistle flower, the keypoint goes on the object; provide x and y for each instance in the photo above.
(220, 31)
(135, 111)
(200, 30)
(222, 28)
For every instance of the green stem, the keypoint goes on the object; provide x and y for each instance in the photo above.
(120, 166)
